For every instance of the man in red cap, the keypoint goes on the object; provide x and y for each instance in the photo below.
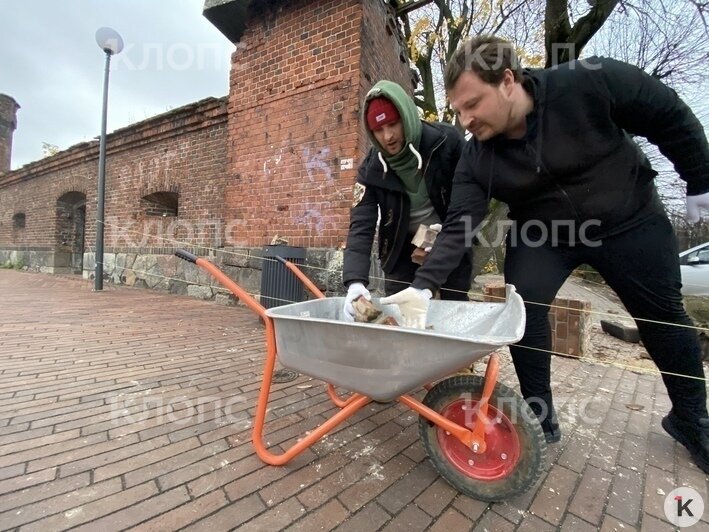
(384, 122)
(404, 181)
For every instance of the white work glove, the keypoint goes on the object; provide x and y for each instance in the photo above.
(353, 292)
(433, 227)
(413, 305)
(694, 204)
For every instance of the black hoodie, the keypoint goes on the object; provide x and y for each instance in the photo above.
(576, 161)
(384, 192)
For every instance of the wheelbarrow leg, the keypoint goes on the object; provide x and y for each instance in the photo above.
(339, 401)
(465, 435)
(473, 439)
(491, 373)
(353, 404)
(349, 406)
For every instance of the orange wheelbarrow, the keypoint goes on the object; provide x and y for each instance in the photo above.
(480, 435)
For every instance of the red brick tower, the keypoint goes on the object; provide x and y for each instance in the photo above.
(300, 70)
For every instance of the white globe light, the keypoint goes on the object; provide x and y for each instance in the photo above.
(109, 40)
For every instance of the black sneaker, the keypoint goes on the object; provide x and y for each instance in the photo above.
(552, 432)
(694, 435)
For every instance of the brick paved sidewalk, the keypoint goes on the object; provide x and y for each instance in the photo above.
(132, 408)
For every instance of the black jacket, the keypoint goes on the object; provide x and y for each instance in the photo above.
(576, 162)
(440, 148)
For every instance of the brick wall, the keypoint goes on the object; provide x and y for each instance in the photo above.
(182, 151)
(185, 154)
(298, 77)
(277, 157)
(569, 320)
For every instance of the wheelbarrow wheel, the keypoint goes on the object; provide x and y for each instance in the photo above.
(515, 454)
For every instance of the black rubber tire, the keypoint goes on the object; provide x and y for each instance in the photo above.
(532, 445)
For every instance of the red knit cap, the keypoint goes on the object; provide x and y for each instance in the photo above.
(380, 112)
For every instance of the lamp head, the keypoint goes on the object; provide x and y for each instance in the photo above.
(109, 40)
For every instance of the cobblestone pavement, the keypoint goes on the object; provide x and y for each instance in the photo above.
(133, 408)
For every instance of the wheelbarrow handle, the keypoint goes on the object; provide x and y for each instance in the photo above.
(301, 276)
(219, 275)
(186, 255)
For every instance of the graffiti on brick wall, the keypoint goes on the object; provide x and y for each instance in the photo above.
(317, 161)
(320, 181)
(272, 163)
(314, 173)
(311, 218)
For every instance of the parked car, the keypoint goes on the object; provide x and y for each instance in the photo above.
(694, 265)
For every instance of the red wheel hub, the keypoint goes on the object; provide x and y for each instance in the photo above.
(502, 443)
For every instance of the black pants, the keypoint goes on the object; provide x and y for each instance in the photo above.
(642, 266)
(454, 289)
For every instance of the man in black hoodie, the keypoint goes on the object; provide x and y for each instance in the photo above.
(555, 146)
(406, 180)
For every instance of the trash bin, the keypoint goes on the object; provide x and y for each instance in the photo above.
(279, 286)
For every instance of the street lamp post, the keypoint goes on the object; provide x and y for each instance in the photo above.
(111, 43)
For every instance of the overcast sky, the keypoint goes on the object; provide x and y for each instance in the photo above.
(51, 65)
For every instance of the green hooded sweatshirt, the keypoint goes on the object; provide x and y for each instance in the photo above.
(405, 163)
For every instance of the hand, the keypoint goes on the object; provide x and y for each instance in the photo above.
(353, 292)
(694, 204)
(413, 305)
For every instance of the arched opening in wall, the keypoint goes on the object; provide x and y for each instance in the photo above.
(70, 233)
(162, 203)
(19, 222)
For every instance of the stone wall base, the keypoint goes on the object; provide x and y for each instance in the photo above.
(161, 271)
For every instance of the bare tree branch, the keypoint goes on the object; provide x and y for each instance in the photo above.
(565, 42)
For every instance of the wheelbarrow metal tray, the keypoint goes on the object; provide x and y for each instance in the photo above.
(384, 362)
